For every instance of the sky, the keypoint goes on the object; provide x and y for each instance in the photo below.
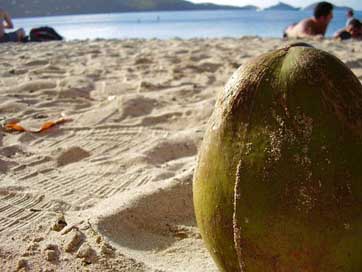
(356, 4)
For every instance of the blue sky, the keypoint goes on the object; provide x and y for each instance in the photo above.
(356, 4)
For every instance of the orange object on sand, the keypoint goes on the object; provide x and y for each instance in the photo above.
(15, 126)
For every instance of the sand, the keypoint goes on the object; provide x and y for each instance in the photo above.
(111, 188)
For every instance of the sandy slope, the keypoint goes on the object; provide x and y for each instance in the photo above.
(121, 171)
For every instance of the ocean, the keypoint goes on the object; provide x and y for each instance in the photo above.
(180, 24)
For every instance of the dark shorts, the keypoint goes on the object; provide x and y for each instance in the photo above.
(9, 37)
(344, 35)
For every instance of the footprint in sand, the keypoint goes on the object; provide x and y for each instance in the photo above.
(75, 87)
(152, 217)
(171, 149)
(34, 85)
(142, 61)
(146, 86)
(11, 151)
(11, 106)
(136, 105)
(160, 227)
(37, 63)
(5, 166)
(71, 155)
(159, 119)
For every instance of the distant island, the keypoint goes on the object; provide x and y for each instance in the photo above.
(35, 8)
(282, 6)
(341, 8)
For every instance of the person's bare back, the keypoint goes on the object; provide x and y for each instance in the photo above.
(315, 26)
(306, 28)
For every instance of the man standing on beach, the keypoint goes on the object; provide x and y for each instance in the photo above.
(6, 23)
(315, 26)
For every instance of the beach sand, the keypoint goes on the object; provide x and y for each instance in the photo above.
(111, 189)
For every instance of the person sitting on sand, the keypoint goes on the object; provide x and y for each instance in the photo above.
(6, 23)
(315, 26)
(352, 31)
(350, 16)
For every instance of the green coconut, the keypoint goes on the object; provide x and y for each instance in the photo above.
(278, 185)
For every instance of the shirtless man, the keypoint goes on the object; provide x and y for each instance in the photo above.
(315, 26)
(6, 23)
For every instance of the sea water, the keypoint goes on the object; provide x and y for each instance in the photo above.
(181, 24)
